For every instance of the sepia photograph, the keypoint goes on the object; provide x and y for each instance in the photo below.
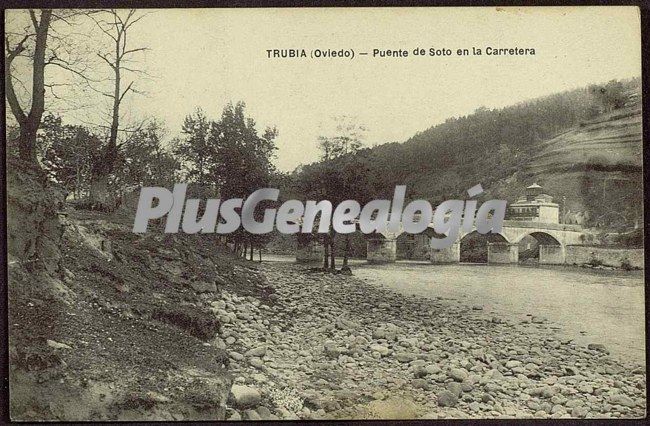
(332, 213)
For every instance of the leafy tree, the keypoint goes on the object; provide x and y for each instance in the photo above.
(240, 163)
(348, 138)
(341, 175)
(68, 153)
(145, 161)
(610, 96)
(192, 149)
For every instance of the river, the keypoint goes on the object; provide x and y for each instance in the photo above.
(590, 306)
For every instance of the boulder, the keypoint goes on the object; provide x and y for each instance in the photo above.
(251, 415)
(235, 417)
(420, 384)
(383, 350)
(620, 399)
(447, 399)
(404, 357)
(432, 369)
(264, 412)
(236, 356)
(256, 362)
(331, 350)
(597, 347)
(455, 388)
(579, 412)
(259, 351)
(387, 331)
(513, 363)
(245, 396)
(458, 374)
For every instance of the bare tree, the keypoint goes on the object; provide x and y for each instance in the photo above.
(29, 122)
(34, 41)
(115, 25)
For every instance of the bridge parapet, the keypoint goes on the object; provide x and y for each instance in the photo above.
(541, 225)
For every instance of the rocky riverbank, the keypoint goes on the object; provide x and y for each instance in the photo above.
(327, 346)
(164, 327)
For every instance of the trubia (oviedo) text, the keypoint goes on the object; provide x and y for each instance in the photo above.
(294, 216)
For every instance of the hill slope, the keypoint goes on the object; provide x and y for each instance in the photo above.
(596, 166)
(105, 324)
(584, 144)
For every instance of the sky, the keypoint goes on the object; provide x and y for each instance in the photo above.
(208, 57)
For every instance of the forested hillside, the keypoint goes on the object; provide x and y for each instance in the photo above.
(569, 142)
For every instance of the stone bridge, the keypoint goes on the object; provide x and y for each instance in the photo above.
(552, 238)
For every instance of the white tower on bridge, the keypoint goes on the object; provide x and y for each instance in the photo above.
(535, 206)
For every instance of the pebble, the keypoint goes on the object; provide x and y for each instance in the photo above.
(381, 349)
(251, 415)
(579, 412)
(56, 345)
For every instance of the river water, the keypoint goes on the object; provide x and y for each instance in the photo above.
(590, 306)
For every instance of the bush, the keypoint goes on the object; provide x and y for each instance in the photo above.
(595, 262)
(626, 265)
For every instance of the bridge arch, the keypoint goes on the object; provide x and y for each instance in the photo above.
(380, 248)
(416, 246)
(474, 246)
(540, 247)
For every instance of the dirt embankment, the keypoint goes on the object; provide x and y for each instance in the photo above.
(108, 325)
(33, 228)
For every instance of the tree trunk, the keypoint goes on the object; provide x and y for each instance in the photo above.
(102, 198)
(251, 256)
(347, 250)
(332, 254)
(100, 194)
(29, 123)
(77, 186)
(326, 246)
(27, 143)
